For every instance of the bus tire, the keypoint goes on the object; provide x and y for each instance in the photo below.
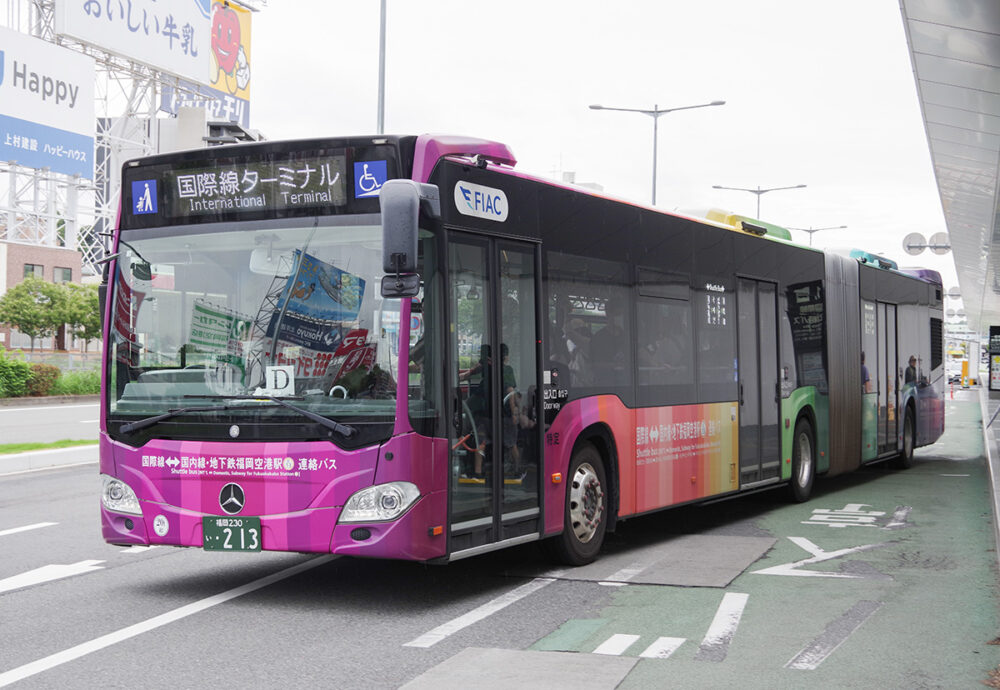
(905, 458)
(803, 461)
(586, 513)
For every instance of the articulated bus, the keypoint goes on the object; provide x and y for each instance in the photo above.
(401, 347)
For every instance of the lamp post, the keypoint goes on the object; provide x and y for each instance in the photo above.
(655, 114)
(811, 230)
(758, 192)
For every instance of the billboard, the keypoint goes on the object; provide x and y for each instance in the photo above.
(227, 97)
(46, 105)
(171, 37)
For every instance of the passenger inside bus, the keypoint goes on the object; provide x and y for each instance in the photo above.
(607, 347)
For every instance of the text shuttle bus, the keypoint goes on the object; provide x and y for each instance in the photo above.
(400, 347)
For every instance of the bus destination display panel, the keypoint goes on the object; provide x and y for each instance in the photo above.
(266, 187)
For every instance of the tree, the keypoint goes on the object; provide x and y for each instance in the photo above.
(34, 307)
(83, 311)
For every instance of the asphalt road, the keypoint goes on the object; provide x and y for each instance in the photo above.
(884, 579)
(46, 423)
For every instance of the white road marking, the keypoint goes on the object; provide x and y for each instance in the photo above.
(53, 660)
(32, 408)
(715, 645)
(663, 648)
(955, 475)
(15, 530)
(47, 573)
(616, 645)
(899, 517)
(819, 555)
(138, 548)
(89, 421)
(624, 575)
(836, 634)
(441, 632)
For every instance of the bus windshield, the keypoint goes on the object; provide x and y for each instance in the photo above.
(205, 315)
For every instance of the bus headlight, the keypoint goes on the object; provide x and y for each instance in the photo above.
(118, 496)
(380, 503)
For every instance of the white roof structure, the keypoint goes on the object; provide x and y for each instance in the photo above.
(955, 50)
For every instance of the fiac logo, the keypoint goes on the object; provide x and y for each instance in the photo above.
(481, 202)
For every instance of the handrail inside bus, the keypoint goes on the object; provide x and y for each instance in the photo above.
(432, 148)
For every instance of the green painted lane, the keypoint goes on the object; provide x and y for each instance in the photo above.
(883, 579)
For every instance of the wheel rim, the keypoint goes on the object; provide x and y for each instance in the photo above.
(804, 471)
(586, 503)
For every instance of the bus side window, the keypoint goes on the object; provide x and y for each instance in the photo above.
(665, 351)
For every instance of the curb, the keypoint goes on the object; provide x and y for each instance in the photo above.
(48, 400)
(991, 464)
(42, 459)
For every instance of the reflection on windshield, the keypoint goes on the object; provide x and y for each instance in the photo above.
(275, 311)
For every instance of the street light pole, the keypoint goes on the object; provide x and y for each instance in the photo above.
(811, 230)
(758, 192)
(380, 126)
(655, 114)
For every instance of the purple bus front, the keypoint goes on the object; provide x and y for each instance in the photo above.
(256, 387)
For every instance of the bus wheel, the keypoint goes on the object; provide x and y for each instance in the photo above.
(803, 461)
(905, 458)
(586, 515)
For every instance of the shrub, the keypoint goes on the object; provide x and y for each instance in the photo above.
(77, 383)
(14, 376)
(43, 377)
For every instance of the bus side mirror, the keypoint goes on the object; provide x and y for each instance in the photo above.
(401, 201)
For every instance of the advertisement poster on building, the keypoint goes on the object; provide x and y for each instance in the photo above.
(46, 105)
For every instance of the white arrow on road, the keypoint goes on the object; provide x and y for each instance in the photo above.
(818, 556)
(47, 573)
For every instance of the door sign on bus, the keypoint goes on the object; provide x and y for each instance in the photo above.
(481, 202)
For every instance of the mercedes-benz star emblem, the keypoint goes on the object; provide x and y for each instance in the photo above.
(232, 498)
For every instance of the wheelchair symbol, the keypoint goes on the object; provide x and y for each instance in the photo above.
(369, 177)
(367, 181)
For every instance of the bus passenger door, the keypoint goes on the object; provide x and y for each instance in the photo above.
(760, 440)
(495, 438)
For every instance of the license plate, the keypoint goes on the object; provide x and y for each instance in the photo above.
(231, 533)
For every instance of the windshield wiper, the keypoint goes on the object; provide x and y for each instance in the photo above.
(150, 421)
(342, 429)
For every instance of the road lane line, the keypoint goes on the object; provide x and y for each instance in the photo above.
(616, 644)
(48, 573)
(439, 633)
(720, 633)
(53, 660)
(836, 634)
(663, 647)
(15, 530)
(33, 408)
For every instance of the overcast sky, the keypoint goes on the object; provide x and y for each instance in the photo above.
(816, 93)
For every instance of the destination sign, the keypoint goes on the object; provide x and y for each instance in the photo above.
(251, 186)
